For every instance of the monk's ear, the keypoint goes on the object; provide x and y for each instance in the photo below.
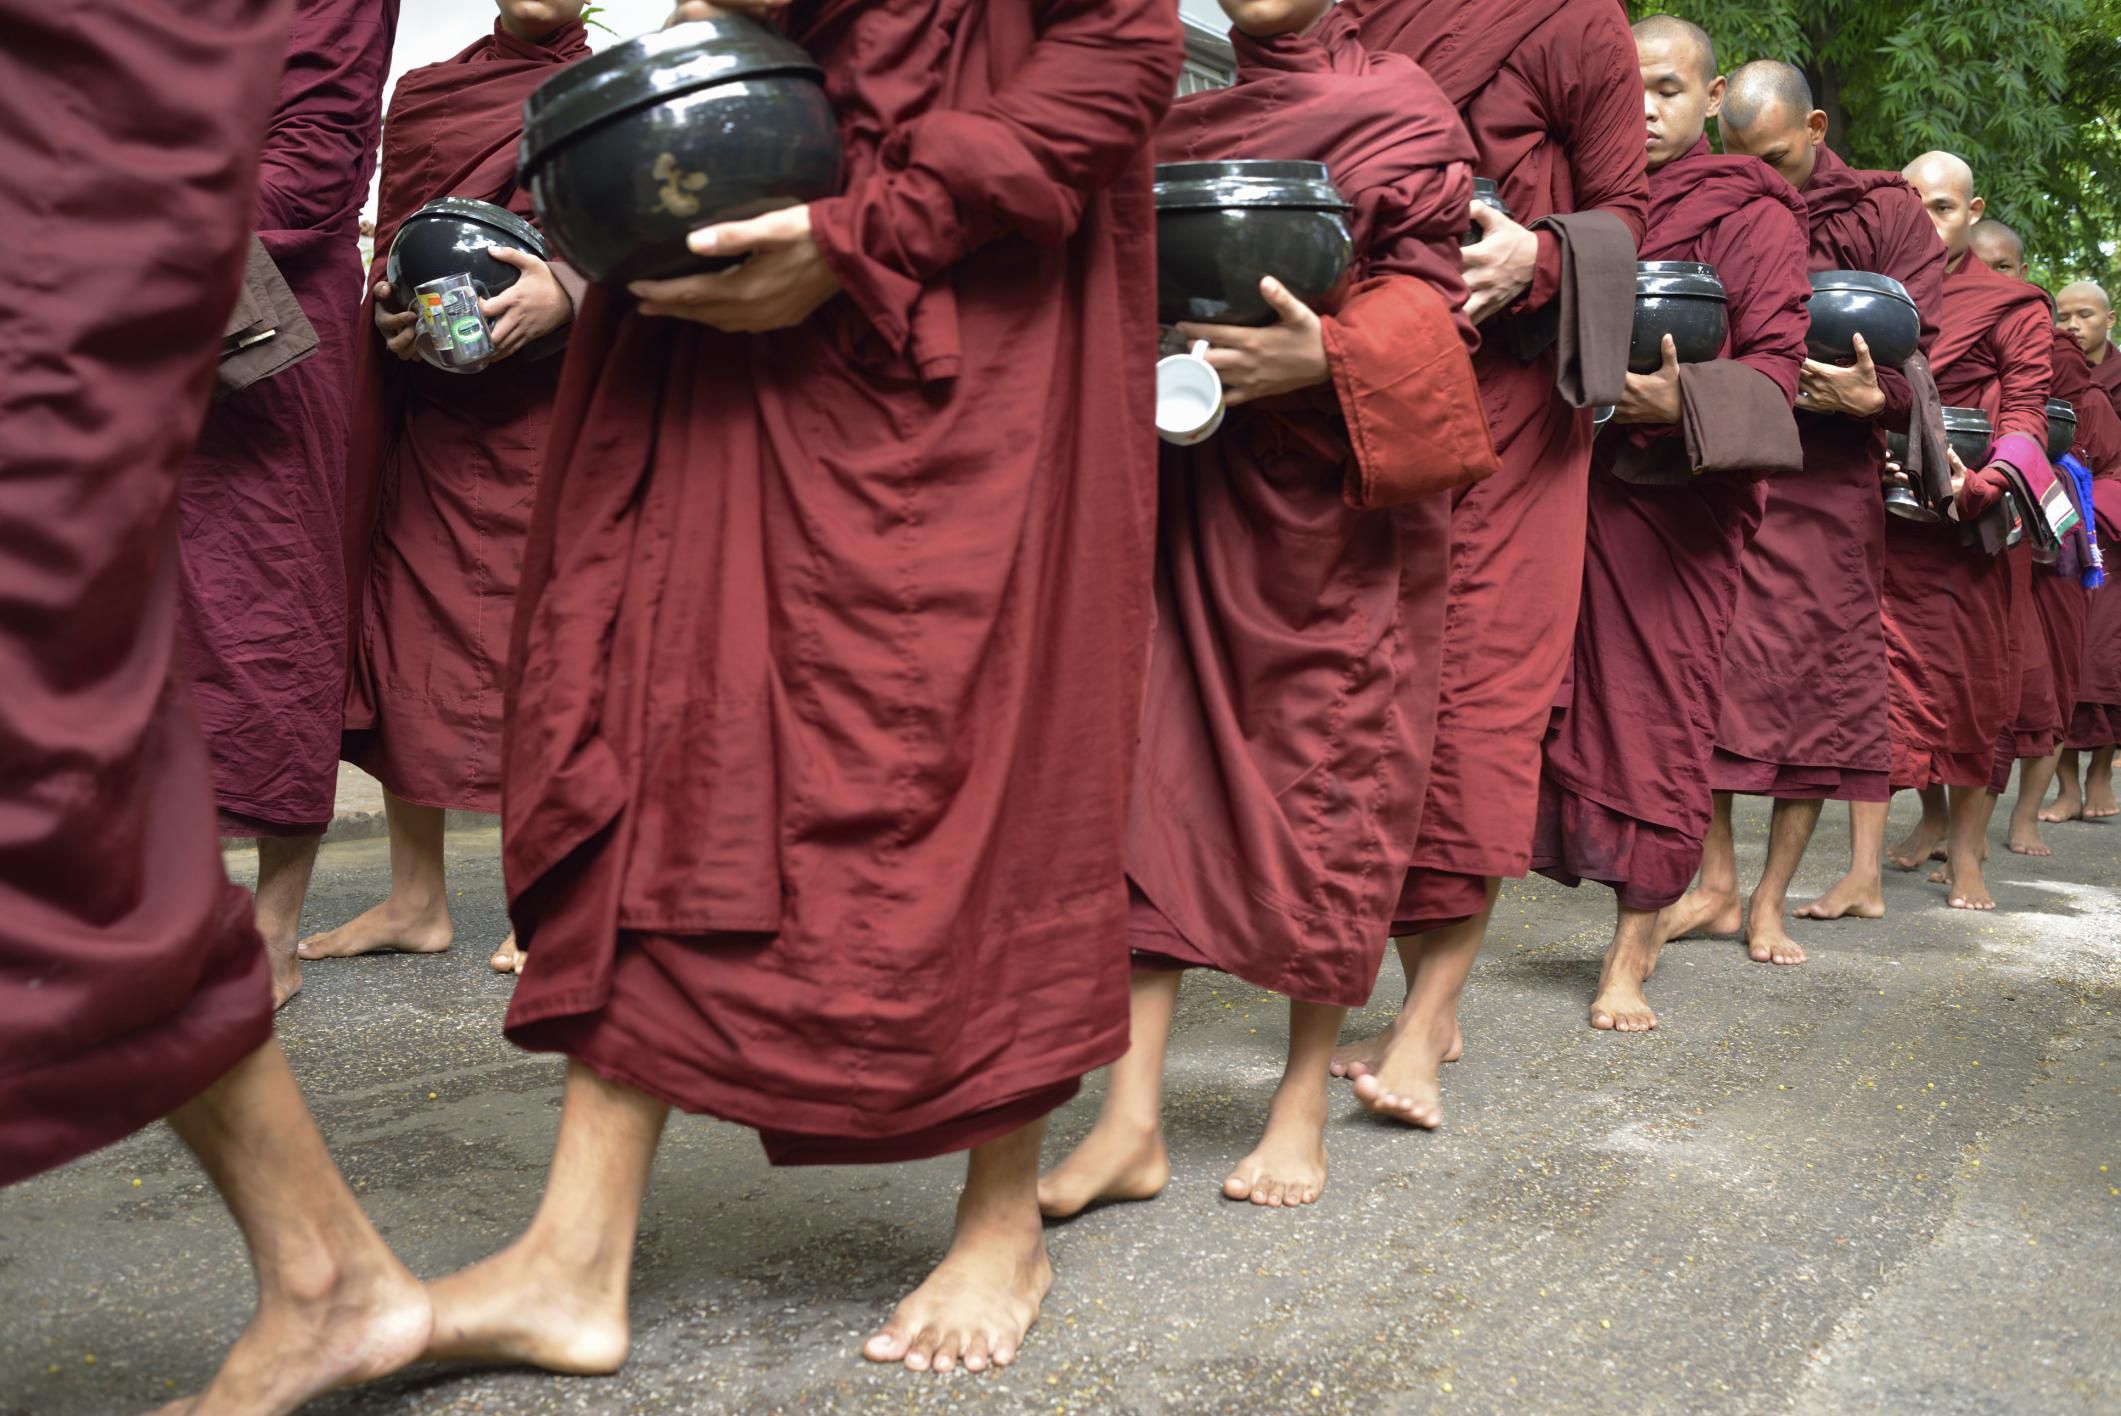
(1815, 124)
(1716, 88)
(1977, 206)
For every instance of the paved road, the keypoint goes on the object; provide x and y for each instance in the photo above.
(1878, 1182)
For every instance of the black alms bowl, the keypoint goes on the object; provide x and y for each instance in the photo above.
(1846, 303)
(628, 152)
(1220, 226)
(1488, 193)
(1683, 299)
(1970, 434)
(449, 236)
(2061, 428)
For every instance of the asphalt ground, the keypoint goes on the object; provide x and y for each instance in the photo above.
(1889, 1180)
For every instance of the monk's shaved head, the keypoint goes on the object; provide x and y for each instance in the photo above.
(1946, 185)
(2084, 311)
(1673, 30)
(1768, 114)
(1998, 247)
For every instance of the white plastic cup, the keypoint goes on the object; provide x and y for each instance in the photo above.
(1189, 397)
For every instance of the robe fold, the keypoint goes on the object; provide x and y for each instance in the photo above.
(1291, 703)
(1947, 608)
(1804, 687)
(442, 468)
(1624, 798)
(1550, 91)
(131, 977)
(828, 651)
(2095, 712)
(261, 513)
(2106, 377)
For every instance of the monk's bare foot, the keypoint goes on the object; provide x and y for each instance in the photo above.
(1703, 911)
(365, 1320)
(1114, 1163)
(2099, 800)
(1404, 1085)
(1969, 891)
(527, 1304)
(1852, 897)
(507, 959)
(1288, 1166)
(390, 928)
(1368, 1054)
(1621, 1005)
(286, 976)
(1928, 836)
(2068, 804)
(975, 1309)
(2024, 839)
(1768, 942)
(1942, 875)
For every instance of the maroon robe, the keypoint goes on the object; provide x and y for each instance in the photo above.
(1804, 685)
(260, 515)
(1624, 799)
(2106, 377)
(443, 467)
(1291, 705)
(1947, 607)
(828, 655)
(130, 975)
(1550, 91)
(2095, 719)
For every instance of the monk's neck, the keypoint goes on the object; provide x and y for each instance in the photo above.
(532, 36)
(2098, 357)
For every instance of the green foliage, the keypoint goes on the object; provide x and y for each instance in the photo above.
(589, 17)
(2027, 91)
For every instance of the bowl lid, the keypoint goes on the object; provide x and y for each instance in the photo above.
(658, 65)
(1250, 182)
(499, 218)
(1867, 281)
(1972, 420)
(2063, 409)
(1677, 278)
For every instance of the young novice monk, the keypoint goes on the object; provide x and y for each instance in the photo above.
(1301, 565)
(1675, 498)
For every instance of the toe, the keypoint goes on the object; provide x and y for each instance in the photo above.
(1603, 1020)
(1238, 1186)
(978, 1352)
(920, 1353)
(887, 1344)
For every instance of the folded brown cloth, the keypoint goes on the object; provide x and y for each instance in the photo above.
(1407, 394)
(1928, 465)
(1733, 418)
(267, 331)
(1591, 316)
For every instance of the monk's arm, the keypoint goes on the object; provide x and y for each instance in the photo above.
(319, 129)
(1066, 123)
(1910, 253)
(1601, 128)
(1760, 255)
(2026, 370)
(1419, 224)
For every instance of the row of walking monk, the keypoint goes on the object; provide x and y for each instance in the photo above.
(880, 726)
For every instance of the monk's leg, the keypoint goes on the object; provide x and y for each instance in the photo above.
(285, 864)
(1123, 1157)
(1712, 906)
(334, 1304)
(1288, 1166)
(1790, 829)
(414, 918)
(2069, 799)
(985, 1294)
(1929, 832)
(2099, 786)
(556, 1298)
(1405, 1083)
(1860, 894)
(1629, 961)
(1368, 1052)
(1971, 809)
(2034, 773)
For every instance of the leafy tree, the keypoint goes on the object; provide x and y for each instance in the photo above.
(2027, 91)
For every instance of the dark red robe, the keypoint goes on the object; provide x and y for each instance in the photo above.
(1624, 799)
(1947, 607)
(1291, 706)
(443, 467)
(261, 514)
(130, 975)
(1804, 687)
(828, 656)
(2095, 719)
(2106, 377)
(1551, 91)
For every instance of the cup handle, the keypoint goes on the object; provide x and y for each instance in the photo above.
(1199, 349)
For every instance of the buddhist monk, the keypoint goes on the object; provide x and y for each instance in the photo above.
(1947, 605)
(1548, 90)
(1804, 703)
(441, 477)
(260, 515)
(132, 983)
(1302, 553)
(2084, 310)
(827, 668)
(1676, 494)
